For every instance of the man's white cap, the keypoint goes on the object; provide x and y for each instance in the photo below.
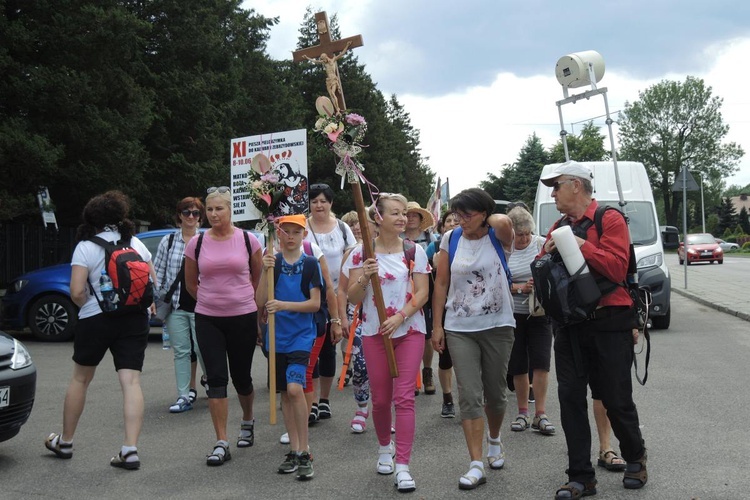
(572, 168)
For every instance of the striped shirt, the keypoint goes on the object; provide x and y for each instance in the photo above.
(167, 264)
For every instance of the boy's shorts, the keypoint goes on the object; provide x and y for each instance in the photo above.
(291, 368)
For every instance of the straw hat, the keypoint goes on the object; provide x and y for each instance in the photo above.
(427, 219)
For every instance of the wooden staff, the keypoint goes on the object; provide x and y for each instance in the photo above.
(271, 331)
(375, 280)
(349, 345)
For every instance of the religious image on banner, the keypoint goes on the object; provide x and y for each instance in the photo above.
(286, 165)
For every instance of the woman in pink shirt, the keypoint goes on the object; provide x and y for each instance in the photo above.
(228, 261)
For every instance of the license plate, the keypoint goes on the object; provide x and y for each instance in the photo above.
(707, 253)
(4, 397)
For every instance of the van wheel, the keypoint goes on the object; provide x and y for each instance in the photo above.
(662, 322)
(53, 318)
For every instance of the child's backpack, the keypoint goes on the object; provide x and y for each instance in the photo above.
(130, 277)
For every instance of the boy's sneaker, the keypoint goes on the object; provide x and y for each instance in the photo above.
(290, 463)
(305, 467)
(449, 411)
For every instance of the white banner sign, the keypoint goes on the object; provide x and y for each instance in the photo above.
(288, 154)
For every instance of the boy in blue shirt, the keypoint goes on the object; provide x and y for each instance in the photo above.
(297, 297)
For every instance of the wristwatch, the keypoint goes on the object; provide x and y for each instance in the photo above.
(519, 290)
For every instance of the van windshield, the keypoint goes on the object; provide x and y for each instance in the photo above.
(643, 228)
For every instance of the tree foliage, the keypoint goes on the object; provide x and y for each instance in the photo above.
(495, 185)
(744, 220)
(727, 216)
(522, 177)
(144, 96)
(587, 146)
(676, 124)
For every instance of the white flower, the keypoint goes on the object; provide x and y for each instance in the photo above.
(331, 127)
(319, 124)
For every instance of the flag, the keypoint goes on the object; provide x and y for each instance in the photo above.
(433, 204)
(445, 193)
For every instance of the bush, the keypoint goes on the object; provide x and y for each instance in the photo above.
(746, 246)
(738, 230)
(727, 233)
(743, 240)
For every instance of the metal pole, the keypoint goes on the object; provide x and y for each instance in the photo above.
(703, 205)
(684, 221)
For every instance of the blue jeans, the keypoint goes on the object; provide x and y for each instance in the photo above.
(181, 328)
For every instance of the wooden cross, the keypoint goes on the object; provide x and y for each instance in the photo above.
(327, 52)
(333, 84)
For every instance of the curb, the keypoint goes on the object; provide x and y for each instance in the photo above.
(737, 314)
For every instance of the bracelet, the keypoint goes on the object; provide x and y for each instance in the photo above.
(363, 285)
(402, 313)
(335, 321)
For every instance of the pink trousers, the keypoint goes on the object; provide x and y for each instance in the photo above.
(387, 392)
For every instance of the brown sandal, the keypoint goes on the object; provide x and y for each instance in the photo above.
(569, 491)
(610, 461)
(635, 479)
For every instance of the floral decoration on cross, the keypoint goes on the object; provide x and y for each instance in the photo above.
(343, 133)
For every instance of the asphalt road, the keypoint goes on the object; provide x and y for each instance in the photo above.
(693, 411)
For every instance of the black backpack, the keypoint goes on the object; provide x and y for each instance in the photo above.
(570, 299)
(130, 276)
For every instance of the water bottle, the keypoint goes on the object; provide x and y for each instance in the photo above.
(165, 344)
(107, 291)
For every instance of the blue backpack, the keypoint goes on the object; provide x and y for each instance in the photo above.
(453, 246)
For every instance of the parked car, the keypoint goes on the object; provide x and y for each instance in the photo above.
(41, 299)
(726, 246)
(17, 386)
(701, 247)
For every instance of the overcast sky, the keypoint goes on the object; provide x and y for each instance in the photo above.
(477, 77)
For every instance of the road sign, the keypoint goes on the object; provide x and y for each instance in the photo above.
(684, 178)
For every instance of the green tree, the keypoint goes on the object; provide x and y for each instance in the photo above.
(586, 146)
(744, 220)
(727, 216)
(495, 185)
(672, 125)
(736, 190)
(522, 177)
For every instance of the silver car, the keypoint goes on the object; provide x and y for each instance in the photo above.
(726, 246)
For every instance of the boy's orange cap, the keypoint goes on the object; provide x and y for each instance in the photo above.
(298, 219)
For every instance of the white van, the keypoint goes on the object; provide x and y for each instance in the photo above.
(643, 223)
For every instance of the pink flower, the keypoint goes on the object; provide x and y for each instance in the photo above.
(356, 258)
(390, 311)
(267, 198)
(271, 177)
(408, 297)
(355, 119)
(333, 136)
(413, 330)
(389, 276)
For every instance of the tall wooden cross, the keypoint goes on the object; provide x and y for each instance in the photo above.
(328, 51)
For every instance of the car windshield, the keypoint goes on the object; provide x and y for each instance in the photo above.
(642, 225)
(700, 239)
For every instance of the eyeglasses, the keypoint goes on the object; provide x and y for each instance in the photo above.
(465, 217)
(556, 185)
(220, 189)
(188, 213)
(319, 187)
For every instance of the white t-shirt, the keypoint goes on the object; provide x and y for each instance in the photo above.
(333, 244)
(519, 265)
(394, 281)
(91, 256)
(478, 296)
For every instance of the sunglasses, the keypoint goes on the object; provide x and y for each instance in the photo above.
(556, 185)
(220, 189)
(319, 187)
(194, 213)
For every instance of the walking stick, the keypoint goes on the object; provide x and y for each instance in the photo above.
(271, 333)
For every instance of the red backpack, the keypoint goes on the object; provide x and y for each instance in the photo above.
(130, 277)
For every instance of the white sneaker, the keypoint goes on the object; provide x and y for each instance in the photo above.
(284, 439)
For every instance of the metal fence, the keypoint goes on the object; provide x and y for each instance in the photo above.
(24, 248)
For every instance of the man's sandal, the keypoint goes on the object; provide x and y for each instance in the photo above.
(610, 461)
(521, 423)
(218, 458)
(247, 436)
(473, 481)
(121, 461)
(542, 424)
(62, 450)
(571, 490)
(636, 475)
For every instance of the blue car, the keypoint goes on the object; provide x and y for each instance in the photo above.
(41, 299)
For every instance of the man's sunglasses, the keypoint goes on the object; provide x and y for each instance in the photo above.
(556, 185)
(220, 189)
(188, 213)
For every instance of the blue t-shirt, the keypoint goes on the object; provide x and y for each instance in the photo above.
(295, 331)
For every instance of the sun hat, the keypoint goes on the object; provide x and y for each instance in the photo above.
(572, 168)
(427, 219)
